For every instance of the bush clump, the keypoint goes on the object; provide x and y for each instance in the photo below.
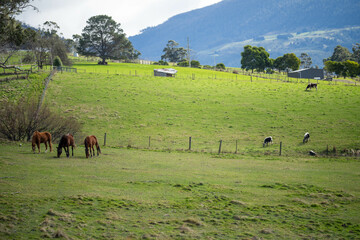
(57, 62)
(19, 120)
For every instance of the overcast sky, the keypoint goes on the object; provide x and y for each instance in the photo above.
(133, 15)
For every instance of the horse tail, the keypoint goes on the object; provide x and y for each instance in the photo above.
(97, 145)
(86, 147)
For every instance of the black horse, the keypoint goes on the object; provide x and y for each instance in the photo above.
(66, 141)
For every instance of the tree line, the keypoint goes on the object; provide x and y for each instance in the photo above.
(341, 63)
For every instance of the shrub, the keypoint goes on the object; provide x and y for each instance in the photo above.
(220, 66)
(18, 121)
(183, 64)
(195, 64)
(57, 62)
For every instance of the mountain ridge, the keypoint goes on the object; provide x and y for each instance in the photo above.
(232, 21)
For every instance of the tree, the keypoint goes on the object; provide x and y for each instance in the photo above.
(334, 67)
(220, 66)
(279, 63)
(48, 45)
(291, 61)
(173, 53)
(102, 37)
(356, 52)
(254, 58)
(351, 68)
(12, 34)
(305, 60)
(340, 54)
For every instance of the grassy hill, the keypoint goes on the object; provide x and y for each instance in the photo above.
(161, 193)
(208, 108)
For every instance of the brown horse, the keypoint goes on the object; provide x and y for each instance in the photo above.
(41, 137)
(66, 141)
(89, 142)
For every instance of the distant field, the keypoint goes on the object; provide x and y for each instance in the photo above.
(130, 109)
(134, 194)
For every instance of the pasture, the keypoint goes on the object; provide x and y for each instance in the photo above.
(134, 194)
(130, 109)
(164, 191)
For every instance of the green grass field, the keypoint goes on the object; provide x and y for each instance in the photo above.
(130, 109)
(133, 191)
(133, 194)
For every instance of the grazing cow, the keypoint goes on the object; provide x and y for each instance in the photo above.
(311, 85)
(306, 137)
(267, 141)
(312, 153)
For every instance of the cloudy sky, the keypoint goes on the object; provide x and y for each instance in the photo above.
(133, 15)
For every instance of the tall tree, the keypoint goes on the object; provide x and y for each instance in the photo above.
(279, 63)
(305, 60)
(291, 61)
(255, 58)
(12, 35)
(102, 37)
(48, 44)
(340, 54)
(356, 52)
(173, 53)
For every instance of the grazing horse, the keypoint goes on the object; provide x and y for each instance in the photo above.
(311, 85)
(89, 142)
(41, 137)
(306, 137)
(267, 141)
(66, 141)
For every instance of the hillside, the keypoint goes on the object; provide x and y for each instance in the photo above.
(207, 106)
(291, 24)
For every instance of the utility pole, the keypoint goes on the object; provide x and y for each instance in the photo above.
(188, 52)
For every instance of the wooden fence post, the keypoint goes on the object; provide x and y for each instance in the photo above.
(149, 141)
(220, 146)
(327, 149)
(189, 143)
(105, 139)
(236, 150)
(280, 148)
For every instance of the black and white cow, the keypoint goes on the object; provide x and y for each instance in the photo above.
(267, 141)
(306, 137)
(311, 85)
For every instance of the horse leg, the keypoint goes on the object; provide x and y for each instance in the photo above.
(38, 146)
(67, 151)
(45, 147)
(72, 150)
(93, 150)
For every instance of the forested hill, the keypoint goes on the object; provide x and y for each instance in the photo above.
(219, 32)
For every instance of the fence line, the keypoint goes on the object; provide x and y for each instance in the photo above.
(231, 147)
(255, 77)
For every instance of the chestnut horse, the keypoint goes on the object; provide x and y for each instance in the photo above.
(66, 141)
(89, 142)
(41, 137)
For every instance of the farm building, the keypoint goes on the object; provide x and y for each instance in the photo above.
(310, 73)
(165, 72)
